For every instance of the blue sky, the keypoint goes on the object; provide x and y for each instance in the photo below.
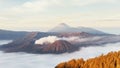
(45, 14)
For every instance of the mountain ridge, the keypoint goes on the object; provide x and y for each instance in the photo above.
(66, 28)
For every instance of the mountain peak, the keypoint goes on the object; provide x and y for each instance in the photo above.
(60, 28)
(62, 25)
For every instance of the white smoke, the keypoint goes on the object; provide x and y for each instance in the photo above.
(52, 39)
(49, 39)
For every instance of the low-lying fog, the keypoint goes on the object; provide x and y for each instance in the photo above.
(24, 60)
(5, 41)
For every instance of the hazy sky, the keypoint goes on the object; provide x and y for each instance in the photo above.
(45, 14)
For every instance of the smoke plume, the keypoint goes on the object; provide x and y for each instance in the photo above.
(52, 39)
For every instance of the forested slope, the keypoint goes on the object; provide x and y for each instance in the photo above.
(111, 60)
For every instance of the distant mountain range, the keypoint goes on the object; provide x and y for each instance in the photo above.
(65, 39)
(65, 28)
(10, 35)
(61, 28)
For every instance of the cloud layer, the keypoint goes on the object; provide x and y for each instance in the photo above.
(23, 60)
(42, 5)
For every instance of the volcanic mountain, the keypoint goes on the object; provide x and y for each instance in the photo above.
(59, 46)
(27, 44)
(61, 28)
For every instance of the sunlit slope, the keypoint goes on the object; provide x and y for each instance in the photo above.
(111, 60)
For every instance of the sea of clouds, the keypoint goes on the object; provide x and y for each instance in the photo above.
(25, 60)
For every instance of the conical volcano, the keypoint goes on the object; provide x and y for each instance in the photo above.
(59, 46)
